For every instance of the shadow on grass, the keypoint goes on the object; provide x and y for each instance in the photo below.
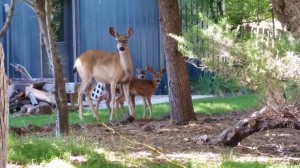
(232, 164)
(34, 150)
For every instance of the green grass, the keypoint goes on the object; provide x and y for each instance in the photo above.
(233, 164)
(42, 150)
(210, 106)
(37, 150)
(223, 105)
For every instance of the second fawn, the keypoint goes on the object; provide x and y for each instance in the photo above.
(144, 88)
(107, 96)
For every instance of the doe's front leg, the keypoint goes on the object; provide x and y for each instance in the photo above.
(128, 99)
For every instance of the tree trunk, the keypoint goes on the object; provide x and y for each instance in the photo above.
(181, 106)
(4, 107)
(4, 104)
(43, 11)
(288, 14)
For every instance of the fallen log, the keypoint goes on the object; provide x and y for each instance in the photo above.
(40, 95)
(265, 119)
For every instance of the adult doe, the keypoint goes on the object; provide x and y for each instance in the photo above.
(109, 68)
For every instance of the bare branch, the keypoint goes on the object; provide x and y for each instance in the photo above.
(8, 18)
(31, 4)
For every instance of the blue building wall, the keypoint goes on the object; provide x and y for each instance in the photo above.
(92, 20)
(96, 17)
(21, 42)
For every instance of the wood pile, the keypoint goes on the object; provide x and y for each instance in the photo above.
(25, 97)
(34, 96)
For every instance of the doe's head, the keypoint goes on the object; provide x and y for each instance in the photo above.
(122, 40)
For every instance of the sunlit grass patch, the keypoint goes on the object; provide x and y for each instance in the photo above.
(70, 151)
(216, 105)
(37, 150)
(223, 105)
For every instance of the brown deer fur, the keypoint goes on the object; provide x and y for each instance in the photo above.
(144, 88)
(108, 68)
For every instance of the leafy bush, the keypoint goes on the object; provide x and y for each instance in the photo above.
(257, 62)
(209, 83)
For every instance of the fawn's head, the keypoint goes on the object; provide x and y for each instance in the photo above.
(122, 40)
(141, 72)
(156, 75)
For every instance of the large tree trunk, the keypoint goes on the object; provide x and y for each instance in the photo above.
(4, 111)
(4, 104)
(181, 106)
(43, 11)
(287, 13)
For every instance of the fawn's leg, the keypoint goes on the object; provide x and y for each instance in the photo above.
(150, 105)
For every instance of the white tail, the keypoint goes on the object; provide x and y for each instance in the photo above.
(144, 88)
(108, 68)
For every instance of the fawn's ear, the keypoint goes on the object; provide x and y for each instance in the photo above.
(137, 68)
(163, 70)
(150, 69)
(130, 32)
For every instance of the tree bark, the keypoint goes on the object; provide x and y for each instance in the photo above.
(4, 107)
(181, 106)
(4, 104)
(43, 11)
(287, 13)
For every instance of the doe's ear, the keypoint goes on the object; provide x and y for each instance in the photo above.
(113, 32)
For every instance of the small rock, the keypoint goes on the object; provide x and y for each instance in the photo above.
(186, 139)
(209, 120)
(147, 128)
(200, 139)
(41, 108)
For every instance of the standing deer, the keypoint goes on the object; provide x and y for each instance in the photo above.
(144, 88)
(108, 68)
(141, 72)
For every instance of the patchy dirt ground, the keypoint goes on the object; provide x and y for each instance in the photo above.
(149, 138)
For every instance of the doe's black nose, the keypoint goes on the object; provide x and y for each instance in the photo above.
(121, 48)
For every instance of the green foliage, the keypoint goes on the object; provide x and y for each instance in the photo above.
(247, 11)
(208, 83)
(257, 62)
(236, 12)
